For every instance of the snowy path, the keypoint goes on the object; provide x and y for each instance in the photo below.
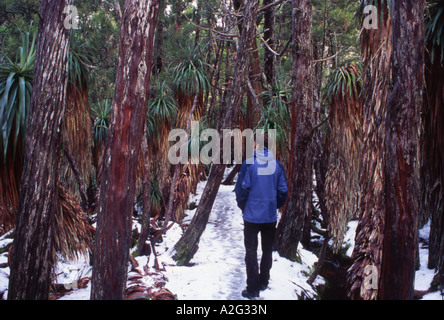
(218, 268)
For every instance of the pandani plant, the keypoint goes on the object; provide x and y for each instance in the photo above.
(190, 79)
(275, 115)
(344, 147)
(100, 112)
(15, 98)
(71, 227)
(190, 83)
(76, 128)
(161, 112)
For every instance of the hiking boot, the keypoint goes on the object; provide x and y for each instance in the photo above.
(250, 295)
(264, 286)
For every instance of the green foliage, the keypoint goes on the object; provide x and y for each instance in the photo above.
(155, 194)
(98, 39)
(435, 29)
(15, 92)
(15, 16)
(276, 114)
(101, 113)
(78, 74)
(336, 28)
(189, 75)
(345, 80)
(162, 107)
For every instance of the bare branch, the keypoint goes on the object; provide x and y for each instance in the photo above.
(256, 101)
(266, 44)
(263, 8)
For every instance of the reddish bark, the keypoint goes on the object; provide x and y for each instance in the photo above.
(401, 144)
(116, 200)
(386, 236)
(291, 225)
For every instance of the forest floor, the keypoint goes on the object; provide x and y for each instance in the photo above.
(217, 271)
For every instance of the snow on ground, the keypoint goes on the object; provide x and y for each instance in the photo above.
(423, 276)
(218, 268)
(217, 271)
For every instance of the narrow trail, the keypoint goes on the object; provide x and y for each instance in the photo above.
(228, 236)
(217, 271)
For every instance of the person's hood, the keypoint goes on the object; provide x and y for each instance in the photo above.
(263, 155)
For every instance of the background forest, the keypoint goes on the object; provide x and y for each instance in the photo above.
(312, 72)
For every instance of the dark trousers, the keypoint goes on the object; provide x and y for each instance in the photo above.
(256, 276)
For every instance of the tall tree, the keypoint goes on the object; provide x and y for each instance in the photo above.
(254, 84)
(432, 162)
(376, 55)
(116, 200)
(387, 231)
(33, 245)
(401, 151)
(290, 227)
(187, 245)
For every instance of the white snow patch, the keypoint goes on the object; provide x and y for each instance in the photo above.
(349, 237)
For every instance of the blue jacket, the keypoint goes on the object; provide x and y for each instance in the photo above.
(261, 187)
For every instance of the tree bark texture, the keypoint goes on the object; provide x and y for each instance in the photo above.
(33, 243)
(299, 205)
(401, 147)
(432, 162)
(144, 247)
(187, 245)
(376, 54)
(118, 183)
(386, 237)
(254, 95)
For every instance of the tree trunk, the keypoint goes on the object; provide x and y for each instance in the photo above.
(252, 115)
(144, 248)
(432, 162)
(376, 55)
(401, 147)
(33, 245)
(116, 200)
(269, 38)
(386, 236)
(290, 227)
(187, 245)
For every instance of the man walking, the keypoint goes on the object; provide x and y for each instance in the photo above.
(260, 190)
